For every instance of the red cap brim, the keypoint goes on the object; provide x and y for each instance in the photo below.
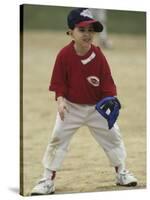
(98, 27)
(85, 23)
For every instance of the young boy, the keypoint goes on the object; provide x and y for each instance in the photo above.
(81, 78)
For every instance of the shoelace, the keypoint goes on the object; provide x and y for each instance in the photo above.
(125, 172)
(45, 183)
(42, 181)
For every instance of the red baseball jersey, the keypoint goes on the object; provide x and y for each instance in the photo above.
(82, 79)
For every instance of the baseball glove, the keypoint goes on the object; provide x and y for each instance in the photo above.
(109, 108)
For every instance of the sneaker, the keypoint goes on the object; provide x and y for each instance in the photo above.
(125, 178)
(44, 186)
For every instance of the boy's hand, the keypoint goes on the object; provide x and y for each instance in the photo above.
(61, 107)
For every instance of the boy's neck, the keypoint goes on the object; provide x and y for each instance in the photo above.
(81, 51)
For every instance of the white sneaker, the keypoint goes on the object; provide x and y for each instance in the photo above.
(125, 178)
(44, 186)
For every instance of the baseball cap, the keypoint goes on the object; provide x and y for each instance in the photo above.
(81, 17)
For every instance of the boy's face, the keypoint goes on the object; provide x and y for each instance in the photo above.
(83, 36)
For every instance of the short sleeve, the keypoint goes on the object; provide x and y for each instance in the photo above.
(59, 76)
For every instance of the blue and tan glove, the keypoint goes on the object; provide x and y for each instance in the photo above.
(109, 108)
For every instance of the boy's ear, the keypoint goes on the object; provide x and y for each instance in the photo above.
(69, 32)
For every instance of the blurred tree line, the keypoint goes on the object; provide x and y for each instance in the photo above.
(38, 17)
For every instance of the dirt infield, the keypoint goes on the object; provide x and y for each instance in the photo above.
(86, 168)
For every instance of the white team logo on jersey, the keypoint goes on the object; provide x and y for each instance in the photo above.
(86, 13)
(93, 80)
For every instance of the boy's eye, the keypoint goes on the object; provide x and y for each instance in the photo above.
(91, 30)
(84, 30)
(81, 29)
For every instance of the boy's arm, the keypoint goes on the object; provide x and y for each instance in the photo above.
(58, 79)
(58, 84)
(107, 83)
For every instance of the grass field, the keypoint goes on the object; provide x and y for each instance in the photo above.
(86, 168)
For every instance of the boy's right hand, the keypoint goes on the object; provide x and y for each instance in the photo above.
(62, 107)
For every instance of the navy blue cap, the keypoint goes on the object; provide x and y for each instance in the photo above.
(81, 17)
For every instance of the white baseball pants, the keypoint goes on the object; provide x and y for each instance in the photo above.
(79, 115)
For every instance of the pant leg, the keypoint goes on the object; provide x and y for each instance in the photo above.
(61, 136)
(110, 139)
